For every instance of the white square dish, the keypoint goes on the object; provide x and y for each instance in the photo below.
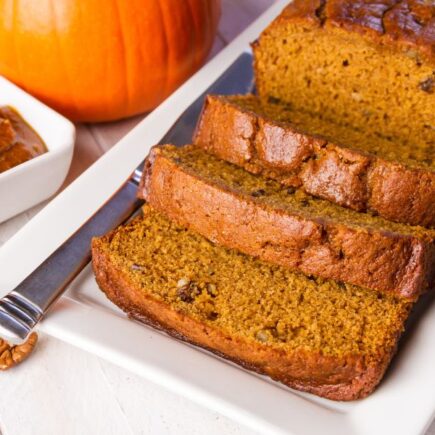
(31, 182)
(404, 404)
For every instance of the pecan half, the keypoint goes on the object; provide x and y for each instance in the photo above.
(11, 355)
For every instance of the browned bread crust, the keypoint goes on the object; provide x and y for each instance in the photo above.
(340, 174)
(399, 23)
(347, 378)
(378, 259)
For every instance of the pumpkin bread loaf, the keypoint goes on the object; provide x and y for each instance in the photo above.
(351, 168)
(334, 340)
(237, 209)
(366, 64)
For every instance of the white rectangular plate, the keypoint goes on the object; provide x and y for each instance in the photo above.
(404, 404)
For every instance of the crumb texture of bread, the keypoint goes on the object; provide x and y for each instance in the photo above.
(239, 210)
(335, 340)
(352, 168)
(365, 64)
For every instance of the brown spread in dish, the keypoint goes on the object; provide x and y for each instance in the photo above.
(18, 141)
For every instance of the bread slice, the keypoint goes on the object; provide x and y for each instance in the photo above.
(232, 207)
(330, 339)
(366, 64)
(351, 168)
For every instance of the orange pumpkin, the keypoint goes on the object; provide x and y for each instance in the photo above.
(99, 60)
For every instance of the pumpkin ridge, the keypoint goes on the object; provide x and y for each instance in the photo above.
(125, 56)
(167, 50)
(196, 36)
(14, 32)
(61, 58)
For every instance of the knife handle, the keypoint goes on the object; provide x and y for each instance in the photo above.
(24, 306)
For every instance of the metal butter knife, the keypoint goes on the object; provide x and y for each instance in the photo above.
(25, 306)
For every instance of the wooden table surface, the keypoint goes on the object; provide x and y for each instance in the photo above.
(63, 390)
